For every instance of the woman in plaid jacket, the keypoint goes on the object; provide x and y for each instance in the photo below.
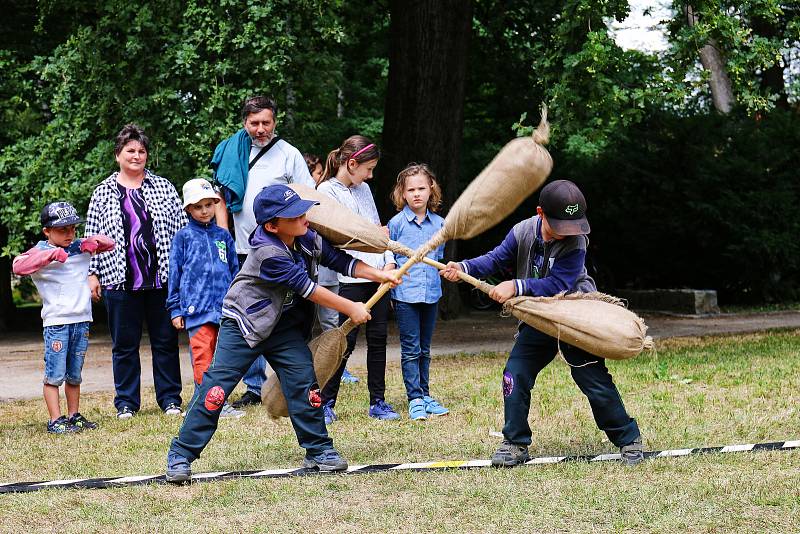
(141, 212)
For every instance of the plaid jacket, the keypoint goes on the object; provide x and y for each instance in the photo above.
(105, 217)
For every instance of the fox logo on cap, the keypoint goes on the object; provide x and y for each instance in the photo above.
(570, 210)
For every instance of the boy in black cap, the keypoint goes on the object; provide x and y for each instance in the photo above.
(59, 267)
(269, 310)
(547, 252)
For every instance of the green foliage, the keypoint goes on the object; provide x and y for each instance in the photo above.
(752, 36)
(180, 70)
(703, 202)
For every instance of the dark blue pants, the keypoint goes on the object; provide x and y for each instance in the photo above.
(127, 311)
(376, 342)
(288, 354)
(531, 353)
(415, 321)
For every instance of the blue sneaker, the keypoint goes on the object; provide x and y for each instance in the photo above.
(330, 415)
(383, 410)
(348, 377)
(433, 407)
(416, 410)
(327, 460)
(179, 469)
(62, 426)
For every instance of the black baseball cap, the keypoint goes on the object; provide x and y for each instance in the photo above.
(565, 208)
(59, 214)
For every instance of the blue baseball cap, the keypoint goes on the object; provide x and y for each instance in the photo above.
(279, 201)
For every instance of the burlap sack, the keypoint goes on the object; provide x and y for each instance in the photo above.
(595, 322)
(339, 225)
(518, 170)
(327, 350)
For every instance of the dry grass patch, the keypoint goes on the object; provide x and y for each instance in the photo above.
(711, 391)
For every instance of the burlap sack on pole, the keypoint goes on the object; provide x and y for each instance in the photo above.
(515, 173)
(328, 350)
(518, 170)
(595, 322)
(340, 226)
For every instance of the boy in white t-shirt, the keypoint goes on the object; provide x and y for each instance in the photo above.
(59, 267)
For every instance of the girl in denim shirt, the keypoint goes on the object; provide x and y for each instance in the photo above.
(417, 196)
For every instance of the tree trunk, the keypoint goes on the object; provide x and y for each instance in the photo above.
(424, 113)
(712, 61)
(6, 301)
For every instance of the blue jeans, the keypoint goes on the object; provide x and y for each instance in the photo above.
(127, 312)
(415, 321)
(289, 355)
(532, 351)
(64, 350)
(256, 375)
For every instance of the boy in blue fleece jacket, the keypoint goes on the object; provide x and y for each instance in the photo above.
(202, 263)
(269, 311)
(547, 252)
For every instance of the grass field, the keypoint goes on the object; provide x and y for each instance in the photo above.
(692, 392)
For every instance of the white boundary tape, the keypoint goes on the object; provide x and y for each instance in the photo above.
(87, 483)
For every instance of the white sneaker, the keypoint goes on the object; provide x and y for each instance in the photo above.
(172, 409)
(230, 412)
(125, 413)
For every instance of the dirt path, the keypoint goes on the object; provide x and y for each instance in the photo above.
(22, 365)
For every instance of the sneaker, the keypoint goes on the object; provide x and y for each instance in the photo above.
(328, 460)
(330, 415)
(248, 399)
(509, 455)
(349, 378)
(81, 422)
(416, 410)
(230, 412)
(433, 407)
(125, 413)
(179, 469)
(632, 453)
(383, 410)
(172, 409)
(62, 426)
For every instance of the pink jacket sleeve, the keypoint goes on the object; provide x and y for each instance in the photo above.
(96, 244)
(36, 258)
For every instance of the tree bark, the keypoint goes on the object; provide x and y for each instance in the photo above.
(712, 60)
(424, 112)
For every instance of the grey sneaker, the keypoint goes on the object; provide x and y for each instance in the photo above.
(632, 453)
(328, 460)
(230, 411)
(509, 455)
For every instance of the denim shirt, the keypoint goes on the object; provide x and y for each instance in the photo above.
(422, 283)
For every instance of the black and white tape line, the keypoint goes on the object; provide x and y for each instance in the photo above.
(97, 483)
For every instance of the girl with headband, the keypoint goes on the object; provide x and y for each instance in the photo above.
(347, 170)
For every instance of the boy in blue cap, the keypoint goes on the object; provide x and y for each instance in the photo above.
(547, 252)
(269, 310)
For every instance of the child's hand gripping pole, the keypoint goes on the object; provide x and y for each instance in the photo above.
(413, 257)
(479, 284)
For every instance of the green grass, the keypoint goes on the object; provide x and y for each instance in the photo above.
(695, 392)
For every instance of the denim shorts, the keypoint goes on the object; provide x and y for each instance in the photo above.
(64, 349)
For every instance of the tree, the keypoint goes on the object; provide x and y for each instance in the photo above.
(424, 115)
(713, 61)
